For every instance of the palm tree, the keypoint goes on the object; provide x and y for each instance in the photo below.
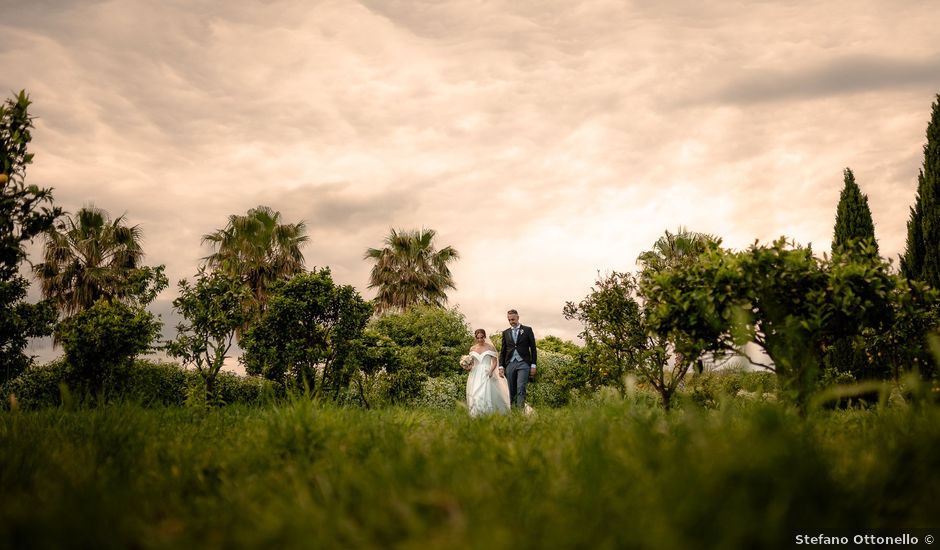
(409, 271)
(674, 250)
(88, 257)
(258, 249)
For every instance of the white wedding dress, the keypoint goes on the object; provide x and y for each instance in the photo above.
(486, 394)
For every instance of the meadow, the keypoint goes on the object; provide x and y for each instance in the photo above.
(606, 473)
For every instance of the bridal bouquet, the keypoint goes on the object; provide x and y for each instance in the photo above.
(466, 362)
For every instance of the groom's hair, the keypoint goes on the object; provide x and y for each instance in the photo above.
(478, 331)
(512, 312)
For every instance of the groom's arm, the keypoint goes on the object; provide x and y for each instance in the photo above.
(502, 351)
(532, 350)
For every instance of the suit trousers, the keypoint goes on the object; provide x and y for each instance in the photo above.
(517, 377)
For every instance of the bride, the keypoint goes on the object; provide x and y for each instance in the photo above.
(487, 389)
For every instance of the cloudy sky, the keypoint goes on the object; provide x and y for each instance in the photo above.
(547, 141)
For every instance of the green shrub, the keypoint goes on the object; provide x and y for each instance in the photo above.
(552, 385)
(443, 392)
(430, 339)
(709, 389)
(231, 388)
(148, 383)
(38, 386)
(100, 343)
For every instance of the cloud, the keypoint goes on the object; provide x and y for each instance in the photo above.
(846, 75)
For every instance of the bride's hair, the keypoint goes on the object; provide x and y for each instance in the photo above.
(479, 331)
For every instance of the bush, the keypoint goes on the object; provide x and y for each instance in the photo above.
(430, 339)
(101, 342)
(38, 386)
(443, 392)
(709, 389)
(305, 335)
(552, 384)
(148, 383)
(230, 388)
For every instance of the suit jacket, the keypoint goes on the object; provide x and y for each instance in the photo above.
(525, 345)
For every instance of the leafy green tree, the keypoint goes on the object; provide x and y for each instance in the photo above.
(259, 249)
(25, 211)
(853, 218)
(618, 341)
(410, 271)
(677, 251)
(91, 257)
(614, 338)
(854, 233)
(792, 304)
(921, 258)
(101, 342)
(430, 339)
(305, 336)
(212, 310)
(369, 355)
(557, 345)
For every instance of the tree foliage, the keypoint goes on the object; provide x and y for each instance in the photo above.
(212, 310)
(614, 336)
(306, 334)
(921, 258)
(854, 225)
(854, 234)
(430, 339)
(101, 342)
(259, 249)
(25, 211)
(780, 296)
(410, 271)
(90, 257)
(557, 345)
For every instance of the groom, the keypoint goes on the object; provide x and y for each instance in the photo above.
(517, 357)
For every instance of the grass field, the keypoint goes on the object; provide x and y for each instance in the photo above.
(606, 475)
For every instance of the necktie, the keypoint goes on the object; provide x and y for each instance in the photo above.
(515, 334)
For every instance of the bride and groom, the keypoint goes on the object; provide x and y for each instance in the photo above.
(499, 379)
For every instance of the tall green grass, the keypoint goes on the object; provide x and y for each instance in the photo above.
(602, 476)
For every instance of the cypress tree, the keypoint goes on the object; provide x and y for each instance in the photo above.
(921, 259)
(854, 225)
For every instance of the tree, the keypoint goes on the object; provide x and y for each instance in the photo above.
(854, 234)
(212, 310)
(304, 337)
(430, 339)
(921, 258)
(613, 334)
(25, 211)
(259, 250)
(790, 303)
(853, 219)
(557, 345)
(102, 341)
(410, 271)
(676, 250)
(91, 257)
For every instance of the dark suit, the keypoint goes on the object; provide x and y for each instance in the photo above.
(517, 372)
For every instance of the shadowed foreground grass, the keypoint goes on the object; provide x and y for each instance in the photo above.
(606, 476)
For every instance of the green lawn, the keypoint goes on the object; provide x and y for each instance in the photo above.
(598, 476)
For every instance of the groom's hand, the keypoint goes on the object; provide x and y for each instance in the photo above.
(531, 372)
